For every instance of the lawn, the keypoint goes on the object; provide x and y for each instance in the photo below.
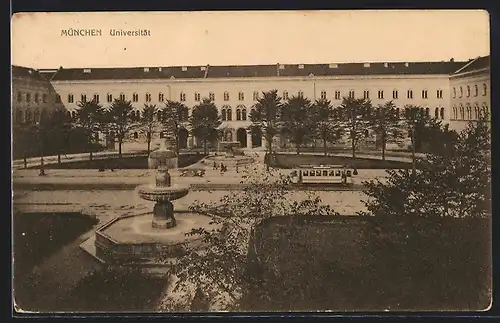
(135, 162)
(288, 161)
(340, 265)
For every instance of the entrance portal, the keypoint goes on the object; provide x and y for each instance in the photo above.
(241, 136)
(256, 137)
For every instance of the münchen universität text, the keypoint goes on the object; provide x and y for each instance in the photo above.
(72, 32)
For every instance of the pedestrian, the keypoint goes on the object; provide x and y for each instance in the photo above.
(236, 168)
(215, 166)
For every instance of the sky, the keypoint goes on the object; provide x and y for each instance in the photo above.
(245, 37)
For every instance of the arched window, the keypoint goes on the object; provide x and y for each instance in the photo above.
(455, 112)
(468, 91)
(226, 96)
(160, 97)
(244, 114)
(285, 95)
(476, 112)
(469, 112)
(462, 112)
(223, 114)
(476, 90)
(454, 92)
(436, 113)
(36, 116)
(441, 113)
(238, 114)
(485, 110)
(461, 92)
(148, 97)
(301, 94)
(229, 114)
(485, 89)
(427, 112)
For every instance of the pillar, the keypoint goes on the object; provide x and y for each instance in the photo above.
(190, 143)
(264, 142)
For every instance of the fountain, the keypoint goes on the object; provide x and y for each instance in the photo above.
(152, 237)
(231, 156)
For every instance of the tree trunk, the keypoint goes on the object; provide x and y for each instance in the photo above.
(59, 158)
(270, 153)
(205, 146)
(25, 162)
(297, 149)
(90, 148)
(120, 148)
(383, 145)
(324, 147)
(413, 151)
(353, 146)
(149, 146)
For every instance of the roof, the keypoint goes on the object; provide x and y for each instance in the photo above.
(26, 72)
(474, 65)
(278, 70)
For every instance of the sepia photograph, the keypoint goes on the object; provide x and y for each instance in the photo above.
(251, 161)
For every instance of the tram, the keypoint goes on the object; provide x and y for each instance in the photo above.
(323, 174)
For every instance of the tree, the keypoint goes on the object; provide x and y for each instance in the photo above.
(60, 128)
(266, 116)
(90, 117)
(354, 114)
(297, 121)
(385, 122)
(22, 141)
(149, 125)
(173, 115)
(221, 266)
(413, 215)
(326, 123)
(204, 122)
(120, 119)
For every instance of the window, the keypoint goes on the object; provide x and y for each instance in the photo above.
(19, 96)
(462, 112)
(351, 94)
(255, 95)
(410, 94)
(223, 114)
(109, 98)
(436, 113)
(226, 96)
(485, 89)
(325, 173)
(96, 98)
(135, 97)
(238, 114)
(366, 94)
(244, 114)
(36, 116)
(241, 96)
(58, 98)
(160, 97)
(44, 98)
(454, 92)
(197, 96)
(28, 97)
(476, 90)
(27, 116)
(380, 94)
(461, 92)
(439, 94)
(441, 113)
(323, 95)
(285, 95)
(37, 97)
(424, 94)
(73, 114)
(229, 114)
(337, 95)
(454, 112)
(84, 98)
(301, 94)
(211, 96)
(395, 94)
(485, 110)
(468, 91)
(148, 97)
(183, 96)
(19, 116)
(469, 112)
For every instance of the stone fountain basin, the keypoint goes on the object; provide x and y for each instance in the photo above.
(155, 193)
(133, 239)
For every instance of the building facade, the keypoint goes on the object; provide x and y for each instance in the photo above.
(235, 89)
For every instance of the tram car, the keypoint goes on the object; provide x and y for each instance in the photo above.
(323, 174)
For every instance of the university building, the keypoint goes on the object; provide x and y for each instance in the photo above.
(454, 91)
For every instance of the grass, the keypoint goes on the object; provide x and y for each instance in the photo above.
(288, 161)
(136, 162)
(329, 264)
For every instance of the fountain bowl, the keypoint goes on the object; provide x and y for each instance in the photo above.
(155, 193)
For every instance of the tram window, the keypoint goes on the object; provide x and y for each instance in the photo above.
(337, 173)
(311, 173)
(325, 173)
(332, 173)
(318, 173)
(305, 173)
(348, 173)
